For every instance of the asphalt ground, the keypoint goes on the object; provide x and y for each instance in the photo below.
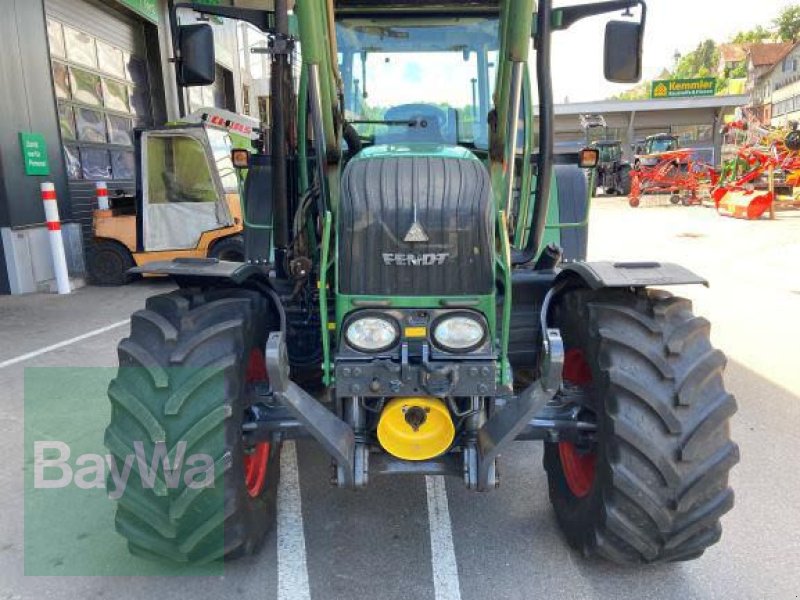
(414, 537)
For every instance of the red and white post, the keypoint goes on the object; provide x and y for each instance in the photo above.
(102, 195)
(56, 241)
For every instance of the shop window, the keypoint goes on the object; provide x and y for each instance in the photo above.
(55, 35)
(115, 95)
(102, 92)
(123, 164)
(119, 131)
(72, 158)
(61, 80)
(95, 164)
(90, 125)
(66, 119)
(86, 87)
(81, 48)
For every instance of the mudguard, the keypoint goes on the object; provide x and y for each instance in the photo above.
(203, 268)
(599, 275)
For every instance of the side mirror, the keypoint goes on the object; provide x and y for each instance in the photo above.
(197, 64)
(623, 51)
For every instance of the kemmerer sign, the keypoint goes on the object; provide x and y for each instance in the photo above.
(682, 88)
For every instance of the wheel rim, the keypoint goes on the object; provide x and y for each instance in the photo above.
(579, 466)
(256, 461)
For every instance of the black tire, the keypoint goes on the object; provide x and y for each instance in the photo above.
(624, 178)
(229, 248)
(182, 378)
(108, 263)
(675, 199)
(663, 451)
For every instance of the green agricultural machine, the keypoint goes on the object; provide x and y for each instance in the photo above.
(416, 295)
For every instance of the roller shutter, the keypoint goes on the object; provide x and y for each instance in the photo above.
(102, 88)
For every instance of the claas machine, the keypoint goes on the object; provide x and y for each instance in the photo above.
(187, 203)
(412, 239)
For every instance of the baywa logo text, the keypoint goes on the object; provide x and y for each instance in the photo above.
(53, 468)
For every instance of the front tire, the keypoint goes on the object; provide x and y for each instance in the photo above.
(183, 379)
(108, 262)
(655, 484)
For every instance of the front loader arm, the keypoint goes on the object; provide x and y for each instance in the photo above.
(320, 64)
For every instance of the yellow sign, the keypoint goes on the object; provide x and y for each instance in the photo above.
(683, 88)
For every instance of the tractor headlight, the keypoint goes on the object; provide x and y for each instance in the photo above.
(372, 334)
(459, 333)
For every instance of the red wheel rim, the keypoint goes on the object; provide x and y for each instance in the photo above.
(578, 465)
(255, 463)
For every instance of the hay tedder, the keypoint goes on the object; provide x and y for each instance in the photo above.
(415, 296)
(679, 173)
(760, 173)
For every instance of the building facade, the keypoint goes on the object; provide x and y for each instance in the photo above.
(79, 77)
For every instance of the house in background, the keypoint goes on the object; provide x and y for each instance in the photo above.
(733, 61)
(761, 59)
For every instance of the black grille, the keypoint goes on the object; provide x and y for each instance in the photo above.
(453, 204)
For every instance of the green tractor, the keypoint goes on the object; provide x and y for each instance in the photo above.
(414, 244)
(613, 172)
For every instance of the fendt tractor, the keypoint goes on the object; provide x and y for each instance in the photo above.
(416, 295)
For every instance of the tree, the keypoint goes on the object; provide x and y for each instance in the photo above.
(701, 62)
(788, 24)
(754, 36)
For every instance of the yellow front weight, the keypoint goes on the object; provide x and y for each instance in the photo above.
(415, 428)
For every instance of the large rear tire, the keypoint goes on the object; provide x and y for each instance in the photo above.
(183, 377)
(655, 484)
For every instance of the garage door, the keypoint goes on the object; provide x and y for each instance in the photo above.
(102, 89)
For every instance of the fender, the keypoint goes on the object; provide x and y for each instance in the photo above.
(208, 270)
(599, 275)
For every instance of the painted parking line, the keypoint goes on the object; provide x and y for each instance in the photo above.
(292, 566)
(59, 345)
(443, 555)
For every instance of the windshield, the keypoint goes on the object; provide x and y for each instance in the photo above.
(421, 80)
(609, 153)
(662, 145)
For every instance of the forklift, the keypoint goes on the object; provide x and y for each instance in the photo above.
(187, 203)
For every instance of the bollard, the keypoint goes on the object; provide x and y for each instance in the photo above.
(56, 241)
(102, 195)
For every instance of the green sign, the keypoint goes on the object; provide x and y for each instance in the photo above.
(684, 88)
(146, 8)
(34, 154)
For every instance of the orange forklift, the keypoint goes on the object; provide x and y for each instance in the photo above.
(187, 202)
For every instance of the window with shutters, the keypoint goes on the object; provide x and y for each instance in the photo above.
(102, 93)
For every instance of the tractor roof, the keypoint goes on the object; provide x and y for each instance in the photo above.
(382, 8)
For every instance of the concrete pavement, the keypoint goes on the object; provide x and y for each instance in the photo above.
(377, 543)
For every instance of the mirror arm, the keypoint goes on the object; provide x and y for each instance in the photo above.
(564, 18)
(262, 19)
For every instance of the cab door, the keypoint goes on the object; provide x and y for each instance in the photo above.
(182, 194)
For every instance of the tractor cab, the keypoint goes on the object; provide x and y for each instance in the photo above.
(427, 79)
(654, 146)
(610, 151)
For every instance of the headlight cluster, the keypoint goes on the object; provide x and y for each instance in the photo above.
(459, 333)
(372, 334)
(456, 333)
